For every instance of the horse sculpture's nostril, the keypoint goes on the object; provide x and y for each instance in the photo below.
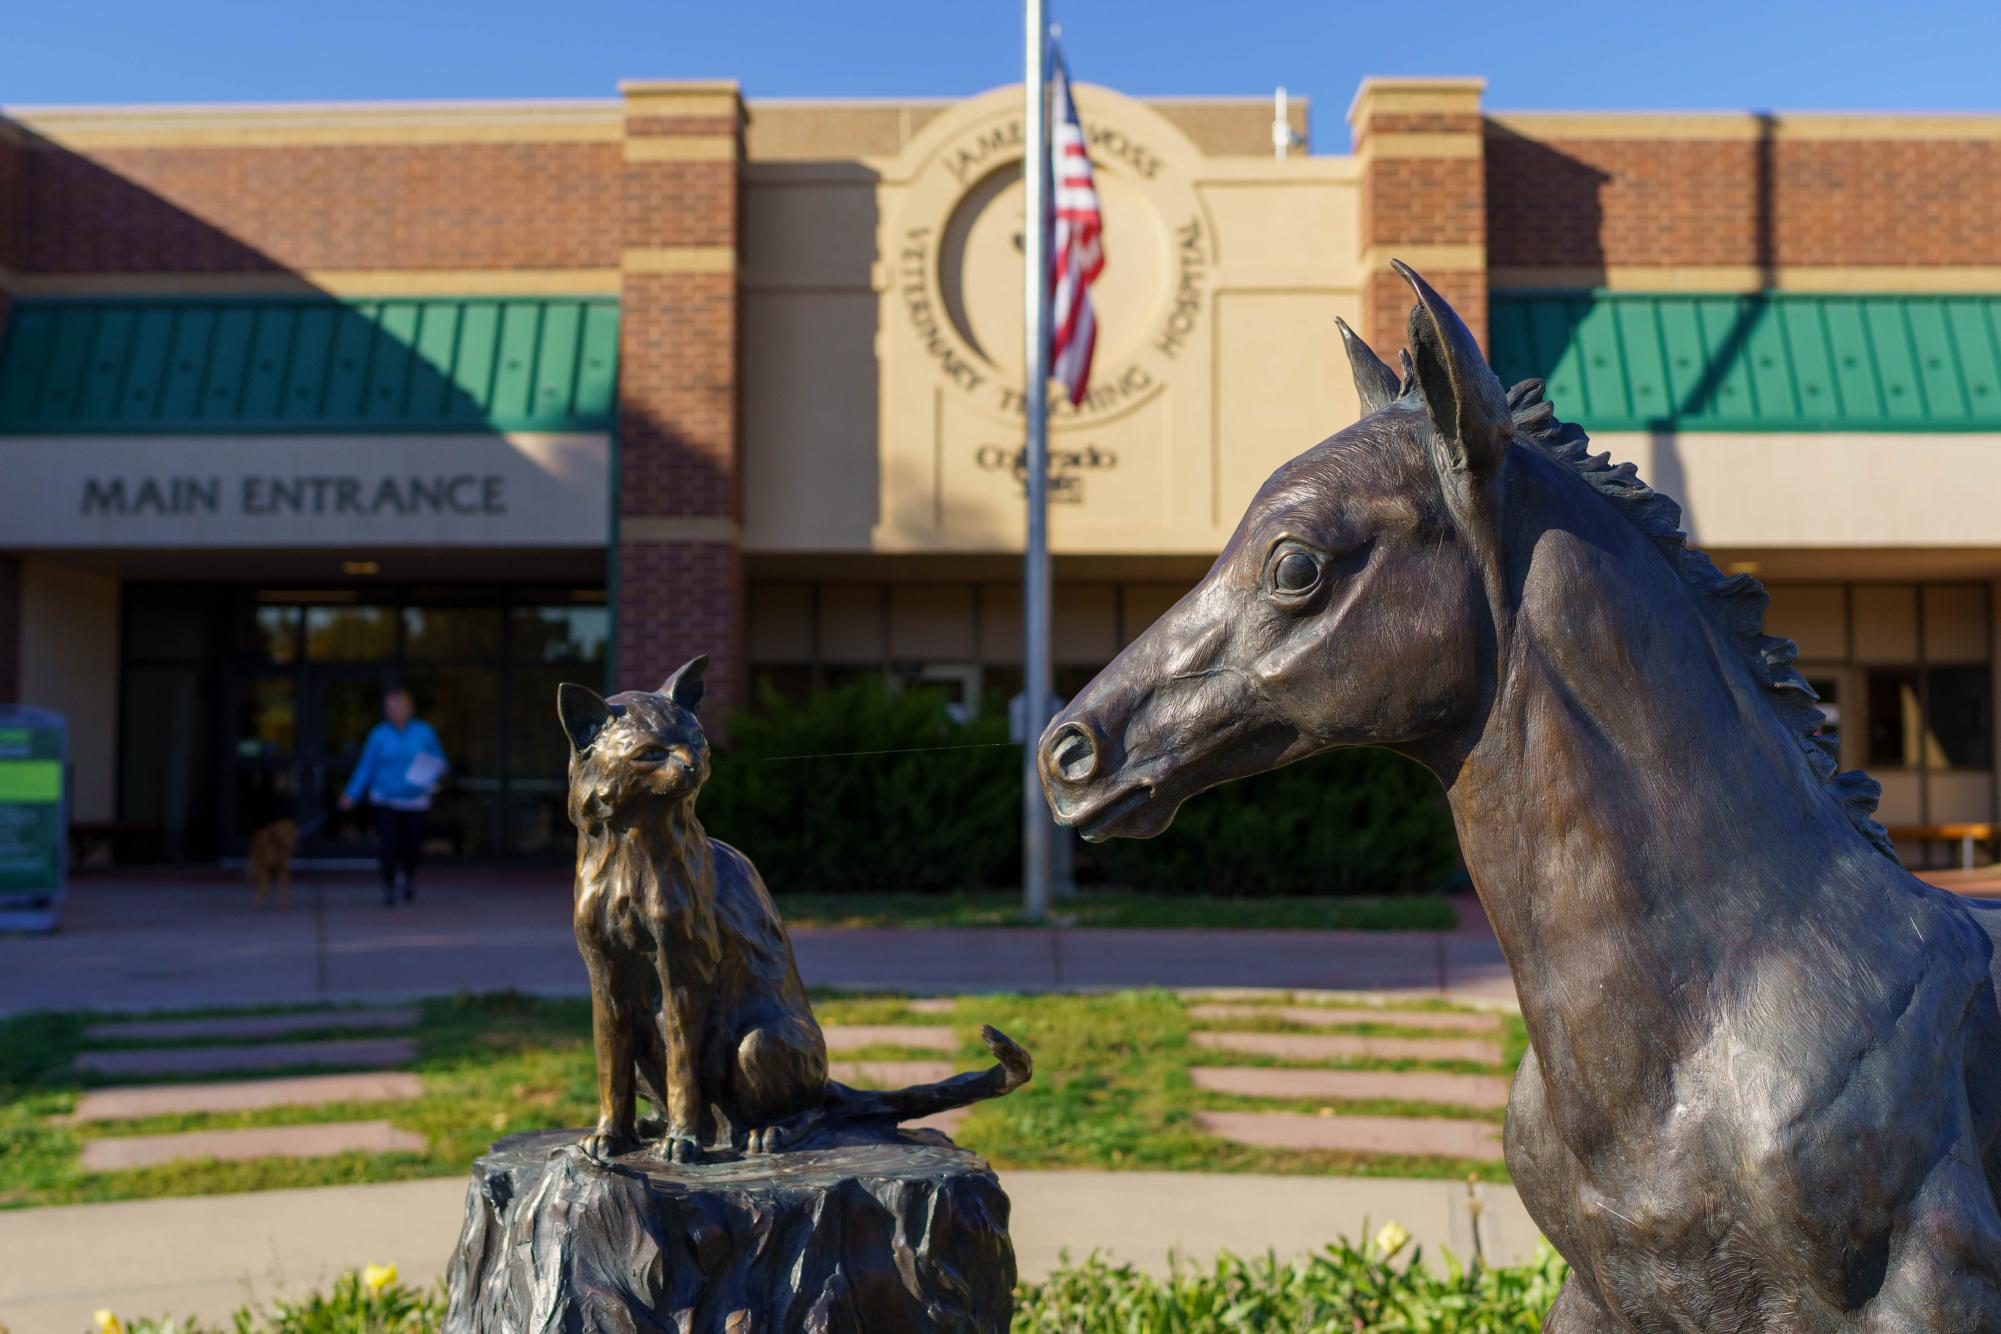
(1072, 754)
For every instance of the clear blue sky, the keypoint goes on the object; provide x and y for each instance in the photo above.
(1663, 54)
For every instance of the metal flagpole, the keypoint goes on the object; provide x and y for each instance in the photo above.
(1036, 825)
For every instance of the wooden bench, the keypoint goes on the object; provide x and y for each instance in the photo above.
(1966, 834)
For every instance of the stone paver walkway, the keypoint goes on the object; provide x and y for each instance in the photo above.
(119, 1153)
(1263, 1081)
(945, 1123)
(1403, 1135)
(375, 1083)
(354, 1053)
(1426, 1035)
(1438, 1021)
(890, 1074)
(250, 1027)
(162, 942)
(1349, 1047)
(129, 1104)
(854, 1037)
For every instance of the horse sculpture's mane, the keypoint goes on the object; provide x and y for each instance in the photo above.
(1734, 603)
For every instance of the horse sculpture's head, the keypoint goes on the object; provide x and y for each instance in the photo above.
(1349, 608)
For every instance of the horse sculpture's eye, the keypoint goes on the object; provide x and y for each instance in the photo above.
(1295, 572)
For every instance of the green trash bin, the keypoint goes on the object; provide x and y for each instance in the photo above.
(34, 816)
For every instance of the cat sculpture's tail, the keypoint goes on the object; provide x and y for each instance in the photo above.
(920, 1100)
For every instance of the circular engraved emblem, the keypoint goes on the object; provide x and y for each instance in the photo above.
(957, 269)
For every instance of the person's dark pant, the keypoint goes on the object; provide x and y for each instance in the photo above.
(401, 834)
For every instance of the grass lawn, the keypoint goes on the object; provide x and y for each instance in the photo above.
(1111, 1091)
(1124, 908)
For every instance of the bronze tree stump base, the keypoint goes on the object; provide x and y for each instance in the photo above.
(861, 1228)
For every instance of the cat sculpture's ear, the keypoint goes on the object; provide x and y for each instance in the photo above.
(584, 714)
(685, 686)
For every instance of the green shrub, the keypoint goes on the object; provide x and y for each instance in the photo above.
(356, 1305)
(915, 819)
(922, 819)
(1349, 822)
(1341, 1290)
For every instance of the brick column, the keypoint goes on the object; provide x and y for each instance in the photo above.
(1423, 200)
(680, 563)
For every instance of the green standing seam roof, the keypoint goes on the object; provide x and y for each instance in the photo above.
(1775, 361)
(307, 364)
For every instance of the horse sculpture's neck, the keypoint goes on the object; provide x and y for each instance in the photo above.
(1635, 817)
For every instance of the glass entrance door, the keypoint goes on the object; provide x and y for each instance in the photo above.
(341, 703)
(299, 731)
(297, 685)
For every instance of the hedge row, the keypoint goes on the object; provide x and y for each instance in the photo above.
(867, 790)
(1342, 1290)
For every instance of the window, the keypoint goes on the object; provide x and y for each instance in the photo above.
(350, 634)
(1959, 732)
(576, 634)
(468, 633)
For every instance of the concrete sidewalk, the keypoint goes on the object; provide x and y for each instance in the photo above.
(136, 944)
(206, 1256)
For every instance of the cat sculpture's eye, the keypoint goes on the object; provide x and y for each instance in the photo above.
(651, 755)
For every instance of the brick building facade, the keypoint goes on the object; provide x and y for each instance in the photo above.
(760, 460)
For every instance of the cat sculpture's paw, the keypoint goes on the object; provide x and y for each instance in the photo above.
(780, 1135)
(677, 1147)
(607, 1142)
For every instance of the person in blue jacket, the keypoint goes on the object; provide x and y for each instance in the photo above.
(400, 767)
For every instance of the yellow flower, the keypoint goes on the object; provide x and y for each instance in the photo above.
(108, 1323)
(1392, 1239)
(377, 1277)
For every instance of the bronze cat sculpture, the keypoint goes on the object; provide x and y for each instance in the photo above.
(1763, 1086)
(694, 991)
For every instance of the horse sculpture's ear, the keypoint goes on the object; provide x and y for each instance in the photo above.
(1375, 383)
(584, 713)
(685, 686)
(1468, 407)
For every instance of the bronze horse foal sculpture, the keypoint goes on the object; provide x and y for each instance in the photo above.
(1763, 1088)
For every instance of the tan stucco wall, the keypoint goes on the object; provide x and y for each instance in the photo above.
(1840, 490)
(856, 439)
(69, 663)
(799, 130)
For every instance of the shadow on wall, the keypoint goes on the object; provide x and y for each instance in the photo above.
(1545, 211)
(85, 349)
(1562, 226)
(301, 358)
(811, 377)
(1724, 349)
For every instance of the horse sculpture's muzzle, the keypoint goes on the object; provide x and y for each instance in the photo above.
(1072, 761)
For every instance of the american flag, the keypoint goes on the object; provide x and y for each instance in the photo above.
(1078, 254)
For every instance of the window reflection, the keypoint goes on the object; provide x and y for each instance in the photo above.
(350, 634)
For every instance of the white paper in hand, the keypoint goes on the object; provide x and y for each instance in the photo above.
(425, 770)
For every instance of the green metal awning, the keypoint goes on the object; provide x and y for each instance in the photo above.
(307, 364)
(1779, 361)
